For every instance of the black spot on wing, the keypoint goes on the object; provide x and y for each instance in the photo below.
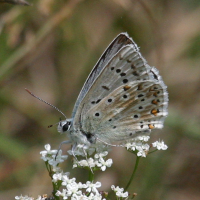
(105, 87)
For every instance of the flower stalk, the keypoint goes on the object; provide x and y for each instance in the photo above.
(133, 173)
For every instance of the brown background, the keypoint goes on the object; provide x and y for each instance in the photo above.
(50, 48)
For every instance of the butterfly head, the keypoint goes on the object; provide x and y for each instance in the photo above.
(64, 125)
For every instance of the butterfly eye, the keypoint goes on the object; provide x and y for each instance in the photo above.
(65, 127)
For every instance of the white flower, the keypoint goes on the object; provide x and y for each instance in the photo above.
(92, 187)
(66, 180)
(47, 153)
(142, 147)
(73, 188)
(125, 194)
(79, 151)
(103, 164)
(58, 158)
(144, 138)
(141, 154)
(59, 176)
(24, 198)
(41, 198)
(56, 169)
(29, 198)
(145, 147)
(52, 156)
(48, 150)
(102, 154)
(128, 145)
(97, 161)
(79, 197)
(139, 145)
(86, 163)
(119, 191)
(95, 197)
(160, 145)
(62, 194)
(84, 197)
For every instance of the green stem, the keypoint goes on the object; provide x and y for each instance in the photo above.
(133, 174)
(54, 192)
(55, 186)
(153, 151)
(91, 176)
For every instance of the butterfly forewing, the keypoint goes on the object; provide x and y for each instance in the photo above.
(120, 41)
(127, 65)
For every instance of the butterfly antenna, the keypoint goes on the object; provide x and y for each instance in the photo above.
(46, 103)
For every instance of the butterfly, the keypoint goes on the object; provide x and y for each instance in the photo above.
(122, 98)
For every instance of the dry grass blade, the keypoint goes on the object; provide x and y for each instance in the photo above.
(16, 2)
(64, 13)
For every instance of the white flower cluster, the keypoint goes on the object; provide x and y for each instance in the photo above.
(141, 147)
(119, 191)
(98, 161)
(139, 144)
(89, 190)
(29, 198)
(160, 145)
(53, 157)
(81, 149)
(74, 190)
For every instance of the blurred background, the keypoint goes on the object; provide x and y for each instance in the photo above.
(50, 48)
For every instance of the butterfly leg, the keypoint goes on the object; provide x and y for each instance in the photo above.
(73, 150)
(59, 148)
(87, 158)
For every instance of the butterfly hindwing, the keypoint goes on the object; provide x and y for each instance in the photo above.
(129, 110)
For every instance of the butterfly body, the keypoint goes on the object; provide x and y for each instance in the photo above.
(123, 97)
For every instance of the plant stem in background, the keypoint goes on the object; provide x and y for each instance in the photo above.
(133, 174)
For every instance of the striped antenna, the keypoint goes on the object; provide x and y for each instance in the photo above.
(45, 102)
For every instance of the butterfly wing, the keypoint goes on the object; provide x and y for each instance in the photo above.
(131, 109)
(110, 106)
(120, 41)
(125, 66)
